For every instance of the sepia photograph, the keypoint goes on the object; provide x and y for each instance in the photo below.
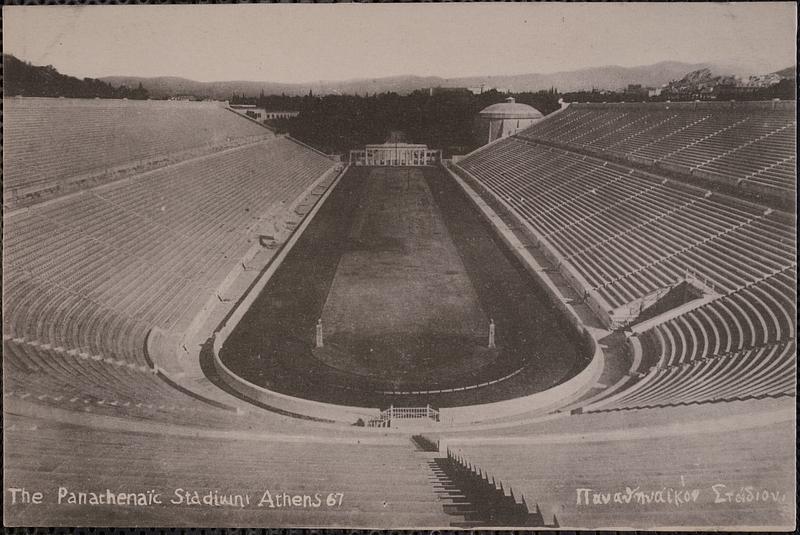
(400, 266)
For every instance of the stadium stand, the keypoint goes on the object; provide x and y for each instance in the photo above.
(749, 146)
(63, 142)
(590, 210)
(626, 237)
(621, 232)
(72, 380)
(88, 275)
(191, 227)
(566, 474)
(335, 468)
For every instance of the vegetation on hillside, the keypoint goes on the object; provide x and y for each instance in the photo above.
(20, 78)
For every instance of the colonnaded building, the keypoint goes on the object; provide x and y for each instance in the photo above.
(393, 154)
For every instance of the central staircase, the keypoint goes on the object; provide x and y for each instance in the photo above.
(454, 501)
(470, 498)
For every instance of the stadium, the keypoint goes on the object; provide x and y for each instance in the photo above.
(180, 280)
(559, 300)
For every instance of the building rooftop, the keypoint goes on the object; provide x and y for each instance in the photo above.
(396, 145)
(510, 109)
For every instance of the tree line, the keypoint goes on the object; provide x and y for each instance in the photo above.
(440, 118)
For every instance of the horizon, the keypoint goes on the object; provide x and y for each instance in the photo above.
(335, 43)
(401, 75)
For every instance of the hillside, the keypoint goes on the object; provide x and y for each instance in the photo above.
(22, 78)
(788, 72)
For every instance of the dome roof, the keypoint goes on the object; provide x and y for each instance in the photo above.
(511, 110)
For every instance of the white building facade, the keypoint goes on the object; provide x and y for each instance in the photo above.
(392, 154)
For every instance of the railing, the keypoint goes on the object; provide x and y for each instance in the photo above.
(404, 413)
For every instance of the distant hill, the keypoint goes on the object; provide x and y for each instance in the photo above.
(26, 79)
(22, 78)
(702, 80)
(161, 87)
(608, 77)
(788, 72)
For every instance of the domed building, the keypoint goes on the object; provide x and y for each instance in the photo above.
(505, 119)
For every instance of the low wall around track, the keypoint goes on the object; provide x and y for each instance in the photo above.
(299, 406)
(545, 401)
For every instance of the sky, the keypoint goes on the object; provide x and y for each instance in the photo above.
(305, 43)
